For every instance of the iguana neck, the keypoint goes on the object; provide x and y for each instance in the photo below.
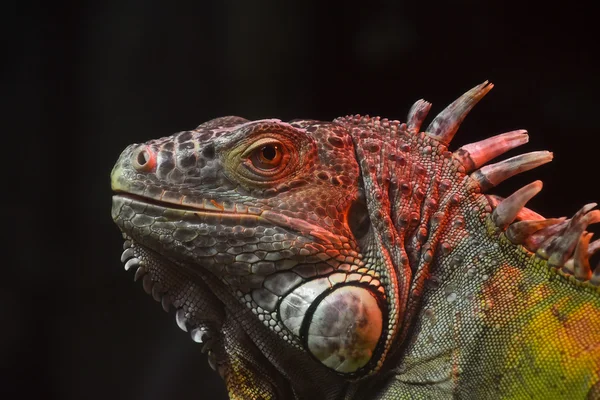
(448, 253)
(413, 190)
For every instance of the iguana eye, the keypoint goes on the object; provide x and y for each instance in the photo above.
(267, 157)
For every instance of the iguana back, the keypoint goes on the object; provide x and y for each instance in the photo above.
(361, 259)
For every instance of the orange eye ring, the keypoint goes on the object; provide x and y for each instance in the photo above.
(267, 157)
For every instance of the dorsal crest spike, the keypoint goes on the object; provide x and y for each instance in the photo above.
(518, 232)
(560, 249)
(493, 174)
(506, 212)
(446, 123)
(525, 214)
(474, 155)
(417, 114)
(539, 241)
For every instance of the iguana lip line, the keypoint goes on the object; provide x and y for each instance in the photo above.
(168, 205)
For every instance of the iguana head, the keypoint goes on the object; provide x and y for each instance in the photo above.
(264, 208)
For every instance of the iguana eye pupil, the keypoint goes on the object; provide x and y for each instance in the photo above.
(269, 152)
(268, 157)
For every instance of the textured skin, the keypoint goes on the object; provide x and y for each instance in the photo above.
(369, 248)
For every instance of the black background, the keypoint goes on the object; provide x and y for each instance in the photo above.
(83, 80)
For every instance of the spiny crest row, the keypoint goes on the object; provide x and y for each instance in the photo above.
(564, 243)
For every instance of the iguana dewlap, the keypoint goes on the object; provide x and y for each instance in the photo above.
(361, 259)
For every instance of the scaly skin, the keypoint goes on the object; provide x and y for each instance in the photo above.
(360, 259)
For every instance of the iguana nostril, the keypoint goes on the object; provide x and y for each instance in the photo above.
(143, 159)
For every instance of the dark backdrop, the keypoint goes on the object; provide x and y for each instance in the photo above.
(83, 80)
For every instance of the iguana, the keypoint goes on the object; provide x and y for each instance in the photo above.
(361, 259)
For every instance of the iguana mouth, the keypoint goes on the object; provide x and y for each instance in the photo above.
(148, 200)
(207, 206)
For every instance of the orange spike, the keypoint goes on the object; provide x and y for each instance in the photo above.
(525, 214)
(474, 155)
(562, 248)
(493, 174)
(506, 212)
(445, 125)
(540, 240)
(518, 232)
(417, 114)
